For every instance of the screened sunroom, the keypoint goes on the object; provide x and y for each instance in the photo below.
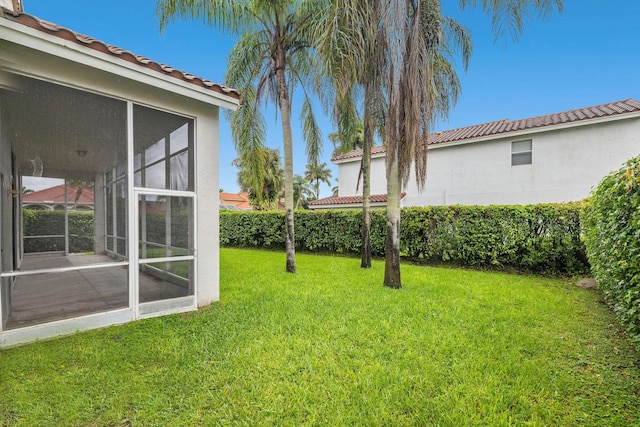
(144, 143)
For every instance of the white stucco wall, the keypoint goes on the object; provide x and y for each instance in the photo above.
(348, 172)
(567, 164)
(208, 205)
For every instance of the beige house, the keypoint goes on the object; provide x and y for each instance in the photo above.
(145, 136)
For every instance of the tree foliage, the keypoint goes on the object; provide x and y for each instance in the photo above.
(611, 223)
(302, 192)
(316, 174)
(273, 55)
(422, 85)
(261, 175)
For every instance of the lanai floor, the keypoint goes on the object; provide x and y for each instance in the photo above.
(41, 298)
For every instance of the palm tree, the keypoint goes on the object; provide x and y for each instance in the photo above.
(342, 143)
(318, 173)
(264, 189)
(348, 41)
(302, 191)
(423, 85)
(272, 56)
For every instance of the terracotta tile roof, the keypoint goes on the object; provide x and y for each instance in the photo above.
(351, 200)
(240, 200)
(505, 126)
(56, 195)
(356, 154)
(70, 35)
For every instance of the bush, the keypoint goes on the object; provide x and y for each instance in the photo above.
(50, 223)
(611, 221)
(325, 231)
(536, 238)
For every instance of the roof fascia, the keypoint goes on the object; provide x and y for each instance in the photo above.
(37, 40)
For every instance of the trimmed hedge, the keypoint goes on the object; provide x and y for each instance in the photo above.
(611, 221)
(536, 238)
(47, 223)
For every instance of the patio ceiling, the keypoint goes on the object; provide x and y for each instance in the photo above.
(76, 134)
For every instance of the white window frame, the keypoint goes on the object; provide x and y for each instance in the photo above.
(520, 152)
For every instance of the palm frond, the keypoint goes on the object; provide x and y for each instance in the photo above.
(311, 132)
(508, 17)
(230, 16)
(247, 124)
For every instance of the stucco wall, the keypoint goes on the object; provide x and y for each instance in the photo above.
(567, 164)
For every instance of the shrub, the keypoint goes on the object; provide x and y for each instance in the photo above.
(536, 238)
(263, 229)
(50, 223)
(611, 221)
(540, 238)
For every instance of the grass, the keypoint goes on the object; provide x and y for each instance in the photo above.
(331, 346)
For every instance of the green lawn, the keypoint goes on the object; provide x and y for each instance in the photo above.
(331, 346)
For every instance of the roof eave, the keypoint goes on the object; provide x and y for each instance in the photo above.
(539, 129)
(17, 33)
(514, 134)
(353, 159)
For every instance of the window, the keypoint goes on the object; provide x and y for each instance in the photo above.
(163, 145)
(521, 153)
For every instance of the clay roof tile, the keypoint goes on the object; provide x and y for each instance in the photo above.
(97, 45)
(504, 126)
(350, 200)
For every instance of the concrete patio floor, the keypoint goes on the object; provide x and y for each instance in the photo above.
(46, 297)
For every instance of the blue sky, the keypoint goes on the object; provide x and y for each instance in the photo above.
(587, 55)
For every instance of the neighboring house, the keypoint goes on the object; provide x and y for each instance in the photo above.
(350, 202)
(553, 158)
(235, 202)
(75, 108)
(54, 199)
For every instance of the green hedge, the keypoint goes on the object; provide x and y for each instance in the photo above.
(611, 221)
(536, 238)
(47, 223)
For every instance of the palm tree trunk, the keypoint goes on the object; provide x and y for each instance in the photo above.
(392, 252)
(366, 180)
(285, 110)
